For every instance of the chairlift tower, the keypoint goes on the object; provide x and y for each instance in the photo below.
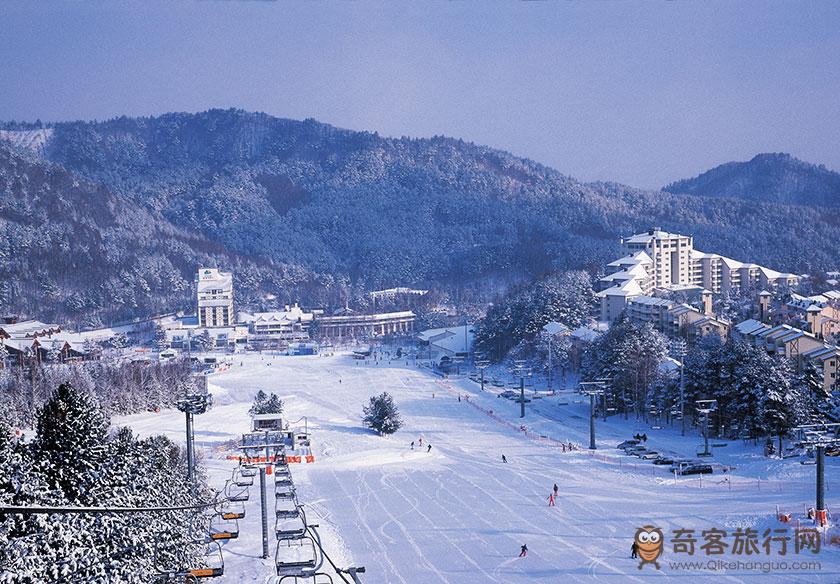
(522, 370)
(481, 365)
(819, 436)
(592, 389)
(272, 443)
(705, 407)
(193, 404)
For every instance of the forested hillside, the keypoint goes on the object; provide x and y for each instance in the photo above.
(306, 211)
(775, 178)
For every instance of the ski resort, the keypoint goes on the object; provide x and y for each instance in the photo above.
(419, 292)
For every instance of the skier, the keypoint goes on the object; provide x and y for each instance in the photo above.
(429, 449)
(421, 442)
(634, 550)
(551, 499)
(524, 551)
(555, 489)
(412, 444)
(459, 398)
(504, 459)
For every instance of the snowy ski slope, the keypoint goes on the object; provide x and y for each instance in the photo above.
(458, 514)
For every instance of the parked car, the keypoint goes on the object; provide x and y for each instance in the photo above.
(635, 450)
(693, 469)
(627, 444)
(649, 455)
(675, 465)
(508, 394)
(663, 459)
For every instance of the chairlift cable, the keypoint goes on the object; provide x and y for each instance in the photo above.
(317, 539)
(41, 510)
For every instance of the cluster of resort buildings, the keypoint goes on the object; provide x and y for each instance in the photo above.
(663, 280)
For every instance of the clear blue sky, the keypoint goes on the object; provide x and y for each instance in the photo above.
(642, 93)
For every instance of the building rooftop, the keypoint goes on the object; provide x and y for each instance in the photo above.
(651, 235)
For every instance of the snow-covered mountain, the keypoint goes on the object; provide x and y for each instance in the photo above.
(308, 211)
(775, 178)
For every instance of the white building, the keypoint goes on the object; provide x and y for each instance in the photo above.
(658, 259)
(291, 324)
(454, 341)
(214, 290)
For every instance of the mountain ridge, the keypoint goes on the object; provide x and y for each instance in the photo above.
(306, 211)
(771, 177)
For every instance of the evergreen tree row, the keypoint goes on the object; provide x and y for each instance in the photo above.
(72, 460)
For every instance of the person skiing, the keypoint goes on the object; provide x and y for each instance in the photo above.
(412, 444)
(551, 499)
(634, 550)
(524, 550)
(421, 442)
(429, 449)
(555, 490)
(504, 459)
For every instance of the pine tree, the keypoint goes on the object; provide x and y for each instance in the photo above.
(70, 439)
(266, 404)
(381, 414)
(204, 341)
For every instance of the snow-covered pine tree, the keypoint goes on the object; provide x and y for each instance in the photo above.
(204, 341)
(381, 414)
(70, 440)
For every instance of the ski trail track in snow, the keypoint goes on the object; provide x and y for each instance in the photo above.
(458, 514)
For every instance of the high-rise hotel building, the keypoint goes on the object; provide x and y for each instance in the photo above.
(214, 291)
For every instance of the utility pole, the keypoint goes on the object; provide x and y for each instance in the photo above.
(549, 362)
(592, 389)
(680, 350)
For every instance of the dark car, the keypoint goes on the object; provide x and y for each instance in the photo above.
(694, 469)
(627, 444)
(663, 459)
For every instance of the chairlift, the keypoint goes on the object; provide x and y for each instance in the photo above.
(284, 491)
(235, 493)
(248, 470)
(290, 527)
(281, 470)
(241, 480)
(233, 510)
(282, 480)
(297, 558)
(223, 529)
(285, 507)
(214, 563)
(214, 568)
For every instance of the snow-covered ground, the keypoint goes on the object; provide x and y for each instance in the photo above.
(457, 513)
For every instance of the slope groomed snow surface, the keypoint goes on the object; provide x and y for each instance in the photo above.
(458, 514)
